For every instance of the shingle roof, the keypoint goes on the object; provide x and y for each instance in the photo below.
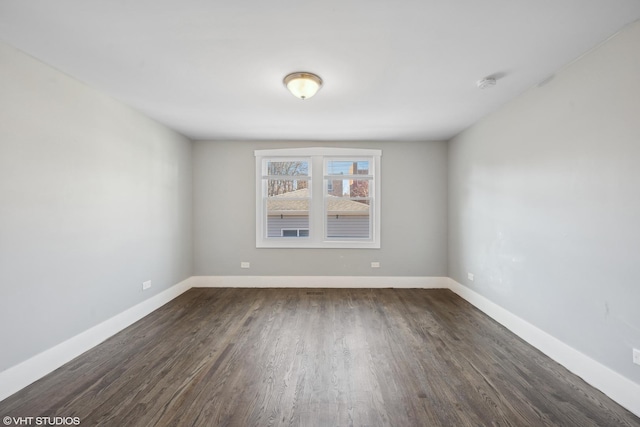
(294, 203)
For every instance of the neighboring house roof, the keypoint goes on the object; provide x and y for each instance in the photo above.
(297, 203)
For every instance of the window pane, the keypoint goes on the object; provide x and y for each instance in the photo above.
(287, 207)
(348, 188)
(351, 226)
(287, 188)
(291, 168)
(348, 218)
(348, 167)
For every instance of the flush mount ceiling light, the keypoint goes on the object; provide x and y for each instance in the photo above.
(302, 84)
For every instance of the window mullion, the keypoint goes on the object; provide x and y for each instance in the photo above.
(316, 210)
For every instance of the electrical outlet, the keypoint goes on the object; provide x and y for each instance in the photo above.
(146, 285)
(636, 356)
(375, 264)
(245, 264)
(470, 276)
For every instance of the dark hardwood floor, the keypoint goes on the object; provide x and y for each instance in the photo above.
(316, 357)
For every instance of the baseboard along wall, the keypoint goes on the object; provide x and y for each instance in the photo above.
(319, 282)
(617, 387)
(21, 375)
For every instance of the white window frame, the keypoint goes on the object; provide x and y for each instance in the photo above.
(318, 181)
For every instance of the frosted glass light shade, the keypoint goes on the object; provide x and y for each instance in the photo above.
(303, 85)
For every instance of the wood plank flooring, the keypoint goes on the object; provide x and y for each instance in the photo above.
(316, 357)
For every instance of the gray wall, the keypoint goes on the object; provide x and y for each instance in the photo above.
(414, 215)
(545, 205)
(94, 199)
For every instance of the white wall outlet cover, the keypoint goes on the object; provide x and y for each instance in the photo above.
(375, 264)
(146, 285)
(636, 356)
(245, 264)
(470, 276)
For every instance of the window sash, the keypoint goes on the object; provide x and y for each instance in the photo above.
(352, 223)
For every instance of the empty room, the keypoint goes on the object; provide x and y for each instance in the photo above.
(337, 213)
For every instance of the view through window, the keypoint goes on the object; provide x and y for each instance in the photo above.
(317, 197)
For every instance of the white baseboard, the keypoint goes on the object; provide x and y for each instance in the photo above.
(619, 388)
(19, 376)
(318, 282)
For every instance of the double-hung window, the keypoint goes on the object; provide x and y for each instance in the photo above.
(318, 198)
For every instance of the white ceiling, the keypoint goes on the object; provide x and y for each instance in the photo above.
(393, 70)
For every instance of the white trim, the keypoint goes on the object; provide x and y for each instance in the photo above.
(319, 282)
(19, 376)
(317, 151)
(619, 388)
